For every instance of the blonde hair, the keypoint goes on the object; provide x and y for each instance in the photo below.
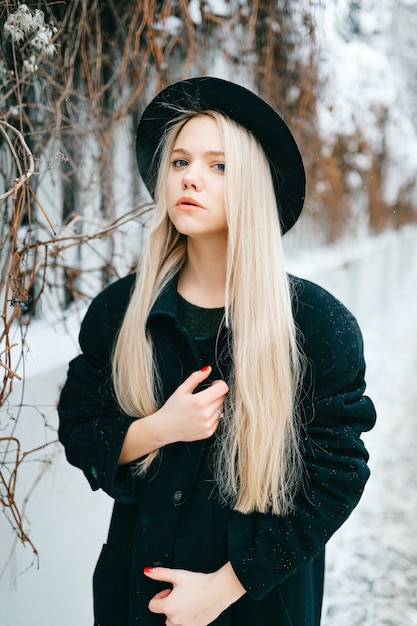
(257, 461)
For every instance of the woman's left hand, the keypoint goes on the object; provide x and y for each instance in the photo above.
(195, 599)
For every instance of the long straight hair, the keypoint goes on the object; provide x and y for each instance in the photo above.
(257, 460)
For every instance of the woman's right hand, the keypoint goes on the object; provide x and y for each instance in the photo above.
(185, 416)
(189, 416)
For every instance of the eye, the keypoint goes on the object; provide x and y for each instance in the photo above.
(179, 163)
(220, 167)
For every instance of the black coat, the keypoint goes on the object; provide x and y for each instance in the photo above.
(172, 516)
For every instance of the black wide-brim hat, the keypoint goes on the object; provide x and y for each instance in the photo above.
(245, 108)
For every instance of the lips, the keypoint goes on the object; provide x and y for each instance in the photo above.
(187, 204)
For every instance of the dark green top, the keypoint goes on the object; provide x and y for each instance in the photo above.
(199, 322)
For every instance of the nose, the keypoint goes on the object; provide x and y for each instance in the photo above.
(191, 178)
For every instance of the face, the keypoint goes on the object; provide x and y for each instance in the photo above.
(195, 182)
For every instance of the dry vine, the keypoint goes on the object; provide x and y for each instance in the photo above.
(71, 74)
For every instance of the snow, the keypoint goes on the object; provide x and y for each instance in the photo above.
(220, 7)
(195, 12)
(371, 574)
(365, 80)
(49, 343)
(365, 87)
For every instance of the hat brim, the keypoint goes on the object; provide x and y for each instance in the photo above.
(245, 108)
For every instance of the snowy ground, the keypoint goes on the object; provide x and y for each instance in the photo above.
(372, 561)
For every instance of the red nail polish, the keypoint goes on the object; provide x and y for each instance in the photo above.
(205, 368)
(147, 570)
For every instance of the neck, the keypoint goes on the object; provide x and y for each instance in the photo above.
(202, 280)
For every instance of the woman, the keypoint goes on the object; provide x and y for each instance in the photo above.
(217, 400)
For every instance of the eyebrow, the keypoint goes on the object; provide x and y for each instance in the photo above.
(218, 153)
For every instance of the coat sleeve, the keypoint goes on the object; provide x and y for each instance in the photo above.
(265, 549)
(92, 426)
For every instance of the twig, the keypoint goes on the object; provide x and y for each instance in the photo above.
(21, 180)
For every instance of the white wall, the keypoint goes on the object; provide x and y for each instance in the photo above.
(66, 521)
(365, 273)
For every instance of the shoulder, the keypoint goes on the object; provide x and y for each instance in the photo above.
(105, 314)
(329, 334)
(314, 306)
(113, 300)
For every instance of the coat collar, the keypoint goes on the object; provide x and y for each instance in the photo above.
(166, 303)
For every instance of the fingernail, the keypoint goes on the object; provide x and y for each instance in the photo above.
(205, 368)
(147, 570)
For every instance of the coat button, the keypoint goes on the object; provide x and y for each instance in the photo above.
(94, 472)
(178, 498)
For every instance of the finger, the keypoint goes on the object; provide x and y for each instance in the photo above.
(214, 394)
(219, 414)
(164, 574)
(157, 604)
(162, 594)
(195, 379)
